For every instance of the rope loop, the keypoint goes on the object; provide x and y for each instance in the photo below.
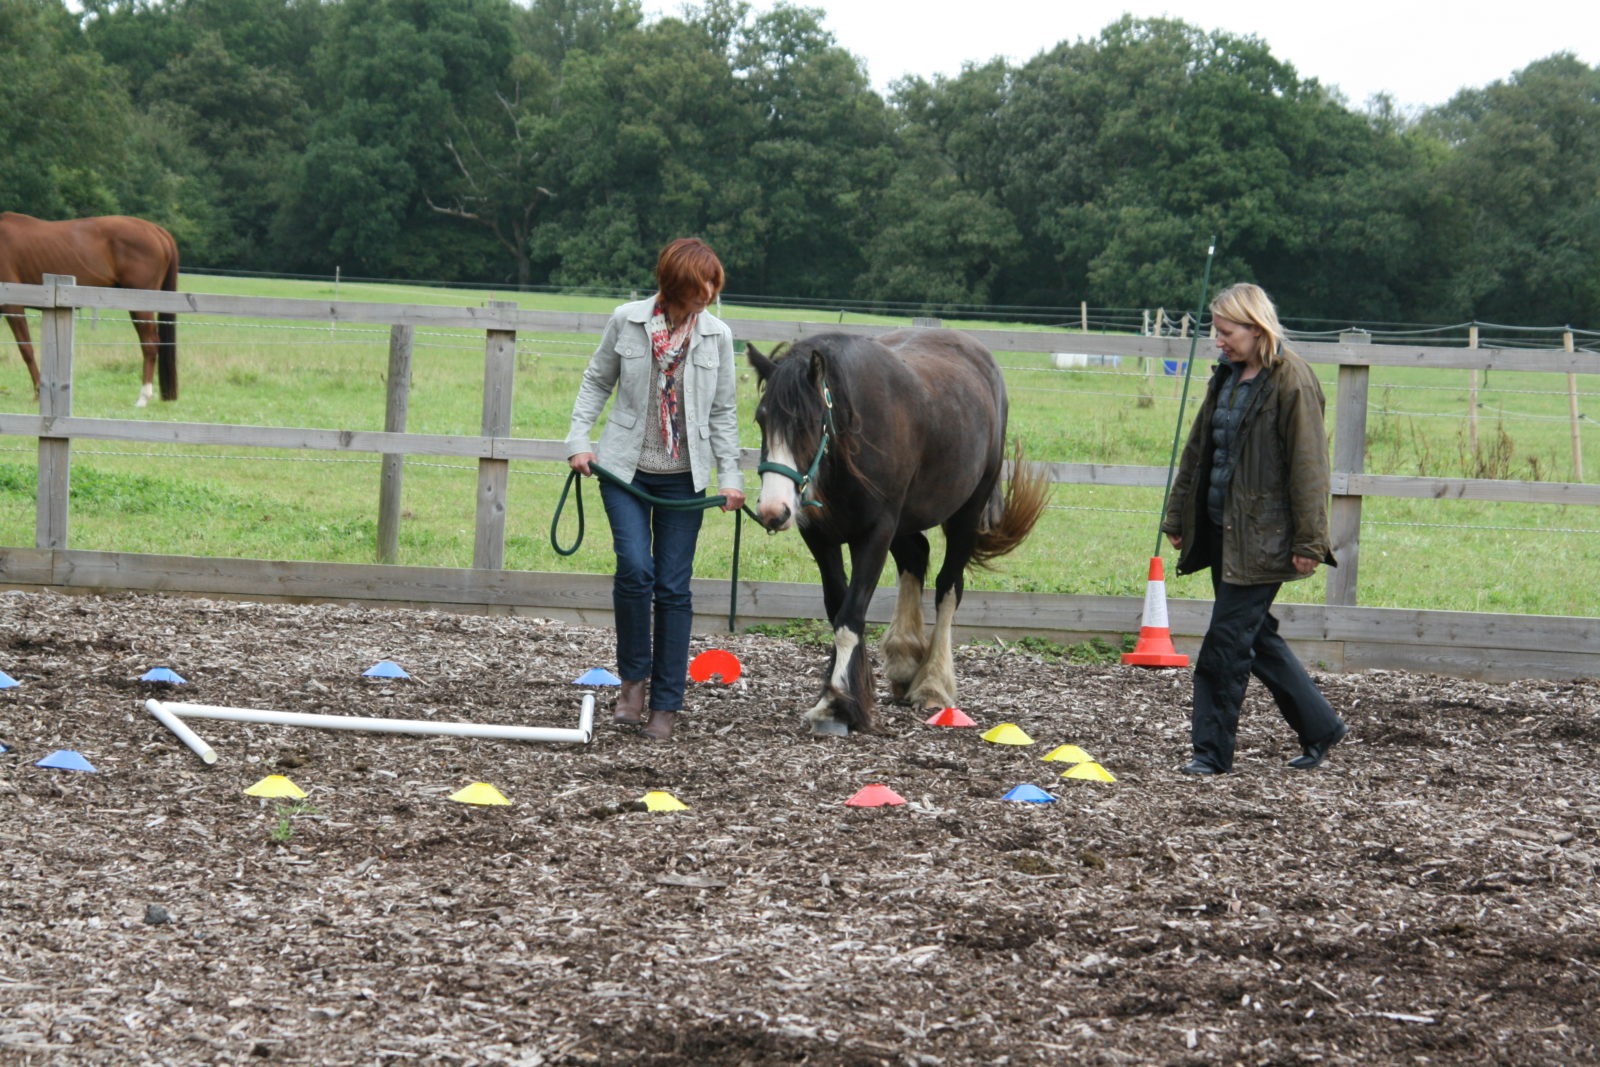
(693, 504)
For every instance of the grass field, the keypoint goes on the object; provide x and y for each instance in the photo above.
(277, 505)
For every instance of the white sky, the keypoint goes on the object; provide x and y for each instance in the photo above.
(1420, 53)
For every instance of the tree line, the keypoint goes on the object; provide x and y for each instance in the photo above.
(561, 142)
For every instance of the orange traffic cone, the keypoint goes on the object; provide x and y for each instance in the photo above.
(1154, 648)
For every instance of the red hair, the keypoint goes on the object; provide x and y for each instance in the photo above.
(683, 269)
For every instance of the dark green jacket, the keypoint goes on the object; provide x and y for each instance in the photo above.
(1277, 503)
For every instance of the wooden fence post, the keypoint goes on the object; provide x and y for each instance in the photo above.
(55, 401)
(1083, 315)
(398, 392)
(1572, 406)
(1349, 457)
(494, 475)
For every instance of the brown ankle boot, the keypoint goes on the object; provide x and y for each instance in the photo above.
(629, 710)
(659, 725)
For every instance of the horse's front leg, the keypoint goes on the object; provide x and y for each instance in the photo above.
(829, 558)
(17, 316)
(847, 695)
(144, 324)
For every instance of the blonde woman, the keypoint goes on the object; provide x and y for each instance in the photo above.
(1250, 501)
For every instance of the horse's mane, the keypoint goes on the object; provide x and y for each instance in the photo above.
(795, 399)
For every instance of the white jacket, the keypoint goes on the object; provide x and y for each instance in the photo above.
(707, 394)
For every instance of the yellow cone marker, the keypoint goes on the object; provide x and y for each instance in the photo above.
(479, 793)
(659, 801)
(275, 785)
(1068, 754)
(1090, 771)
(1008, 734)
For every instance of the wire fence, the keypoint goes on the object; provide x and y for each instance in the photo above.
(1101, 382)
(1144, 320)
(464, 470)
(471, 341)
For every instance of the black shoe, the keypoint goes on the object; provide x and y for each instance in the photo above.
(1312, 755)
(1197, 766)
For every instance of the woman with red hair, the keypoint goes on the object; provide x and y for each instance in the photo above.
(673, 424)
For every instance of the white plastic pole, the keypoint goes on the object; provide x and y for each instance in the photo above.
(580, 736)
(184, 734)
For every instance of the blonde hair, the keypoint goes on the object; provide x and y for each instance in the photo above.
(1249, 304)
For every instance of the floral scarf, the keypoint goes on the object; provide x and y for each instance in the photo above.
(669, 344)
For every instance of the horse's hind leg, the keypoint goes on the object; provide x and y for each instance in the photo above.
(904, 643)
(144, 324)
(17, 316)
(935, 683)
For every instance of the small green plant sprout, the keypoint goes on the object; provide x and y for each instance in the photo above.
(803, 631)
(284, 830)
(1084, 653)
(807, 631)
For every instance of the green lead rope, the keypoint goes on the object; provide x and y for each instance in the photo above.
(694, 504)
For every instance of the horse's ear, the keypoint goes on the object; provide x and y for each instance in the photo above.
(819, 368)
(759, 363)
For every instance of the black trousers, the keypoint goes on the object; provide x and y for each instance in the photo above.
(1243, 640)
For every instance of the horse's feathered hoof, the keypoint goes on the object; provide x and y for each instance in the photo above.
(829, 728)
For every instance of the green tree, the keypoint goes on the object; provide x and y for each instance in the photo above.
(222, 86)
(502, 141)
(388, 75)
(646, 140)
(943, 234)
(66, 125)
(245, 126)
(1133, 148)
(1522, 174)
(819, 157)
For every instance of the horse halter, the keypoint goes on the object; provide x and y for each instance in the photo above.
(802, 481)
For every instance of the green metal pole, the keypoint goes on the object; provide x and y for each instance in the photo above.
(1188, 369)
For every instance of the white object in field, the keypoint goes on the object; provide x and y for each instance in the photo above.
(168, 713)
(1079, 360)
(183, 733)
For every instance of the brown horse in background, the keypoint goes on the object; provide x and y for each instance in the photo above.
(114, 251)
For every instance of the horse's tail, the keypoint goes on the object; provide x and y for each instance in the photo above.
(1019, 507)
(167, 332)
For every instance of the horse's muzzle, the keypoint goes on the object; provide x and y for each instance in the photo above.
(774, 518)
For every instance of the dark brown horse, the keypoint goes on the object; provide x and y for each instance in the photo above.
(867, 443)
(115, 251)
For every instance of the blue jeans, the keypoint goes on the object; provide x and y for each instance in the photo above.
(655, 560)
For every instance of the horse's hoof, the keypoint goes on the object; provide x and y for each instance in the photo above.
(829, 728)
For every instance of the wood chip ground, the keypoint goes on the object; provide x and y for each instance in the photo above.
(1427, 897)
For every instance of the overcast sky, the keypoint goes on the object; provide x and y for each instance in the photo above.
(1420, 53)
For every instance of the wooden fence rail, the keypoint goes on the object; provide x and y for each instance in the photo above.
(1338, 634)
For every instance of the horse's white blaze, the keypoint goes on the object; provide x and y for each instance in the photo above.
(146, 391)
(844, 643)
(778, 491)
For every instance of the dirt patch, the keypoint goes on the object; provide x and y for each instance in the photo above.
(1426, 897)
